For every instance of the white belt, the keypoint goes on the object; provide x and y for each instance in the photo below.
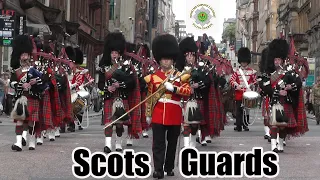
(164, 100)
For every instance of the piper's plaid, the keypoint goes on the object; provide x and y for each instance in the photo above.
(134, 99)
(214, 112)
(55, 102)
(144, 124)
(45, 111)
(301, 118)
(65, 99)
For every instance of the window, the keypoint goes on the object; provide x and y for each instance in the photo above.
(268, 29)
(234, 64)
(111, 15)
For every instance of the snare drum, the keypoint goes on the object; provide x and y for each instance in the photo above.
(250, 99)
(78, 105)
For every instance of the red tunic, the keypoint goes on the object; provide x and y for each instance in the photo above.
(79, 78)
(169, 113)
(236, 80)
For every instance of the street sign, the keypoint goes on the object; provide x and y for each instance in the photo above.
(7, 27)
(310, 80)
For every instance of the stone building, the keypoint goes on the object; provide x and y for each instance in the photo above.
(141, 23)
(246, 27)
(76, 23)
(293, 21)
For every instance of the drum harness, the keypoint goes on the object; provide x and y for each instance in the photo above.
(246, 111)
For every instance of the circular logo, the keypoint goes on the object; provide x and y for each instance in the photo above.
(201, 15)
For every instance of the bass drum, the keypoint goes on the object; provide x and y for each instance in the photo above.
(74, 97)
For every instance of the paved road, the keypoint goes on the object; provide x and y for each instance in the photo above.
(301, 159)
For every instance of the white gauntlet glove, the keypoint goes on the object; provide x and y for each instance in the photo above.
(73, 85)
(169, 86)
(149, 119)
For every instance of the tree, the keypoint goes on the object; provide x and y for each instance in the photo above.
(229, 34)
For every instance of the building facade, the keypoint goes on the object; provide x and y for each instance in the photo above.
(62, 22)
(141, 23)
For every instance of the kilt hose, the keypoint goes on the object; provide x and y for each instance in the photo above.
(108, 116)
(144, 124)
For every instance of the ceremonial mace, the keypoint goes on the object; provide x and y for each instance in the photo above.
(186, 70)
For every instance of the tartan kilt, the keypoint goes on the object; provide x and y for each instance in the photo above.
(108, 111)
(33, 109)
(264, 113)
(46, 117)
(144, 124)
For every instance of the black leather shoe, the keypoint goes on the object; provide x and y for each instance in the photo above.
(246, 128)
(170, 173)
(106, 149)
(16, 148)
(80, 128)
(237, 129)
(159, 175)
(276, 150)
(266, 137)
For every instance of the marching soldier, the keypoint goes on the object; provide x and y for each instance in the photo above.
(79, 79)
(120, 83)
(164, 109)
(238, 83)
(26, 80)
(195, 117)
(284, 96)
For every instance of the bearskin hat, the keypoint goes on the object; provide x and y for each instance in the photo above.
(71, 53)
(147, 49)
(21, 44)
(263, 61)
(244, 55)
(165, 46)
(79, 56)
(278, 48)
(188, 45)
(114, 41)
(130, 47)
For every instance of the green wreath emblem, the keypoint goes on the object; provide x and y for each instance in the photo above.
(202, 16)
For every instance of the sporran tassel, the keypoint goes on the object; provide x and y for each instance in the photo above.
(278, 116)
(20, 109)
(118, 110)
(191, 112)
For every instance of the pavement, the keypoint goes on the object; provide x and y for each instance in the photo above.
(52, 160)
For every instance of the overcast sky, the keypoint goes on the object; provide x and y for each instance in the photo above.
(223, 9)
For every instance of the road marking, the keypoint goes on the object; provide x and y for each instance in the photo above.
(308, 144)
(62, 151)
(241, 144)
(76, 143)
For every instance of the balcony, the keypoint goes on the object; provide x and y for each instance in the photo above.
(95, 4)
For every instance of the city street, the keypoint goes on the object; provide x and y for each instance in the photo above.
(53, 159)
